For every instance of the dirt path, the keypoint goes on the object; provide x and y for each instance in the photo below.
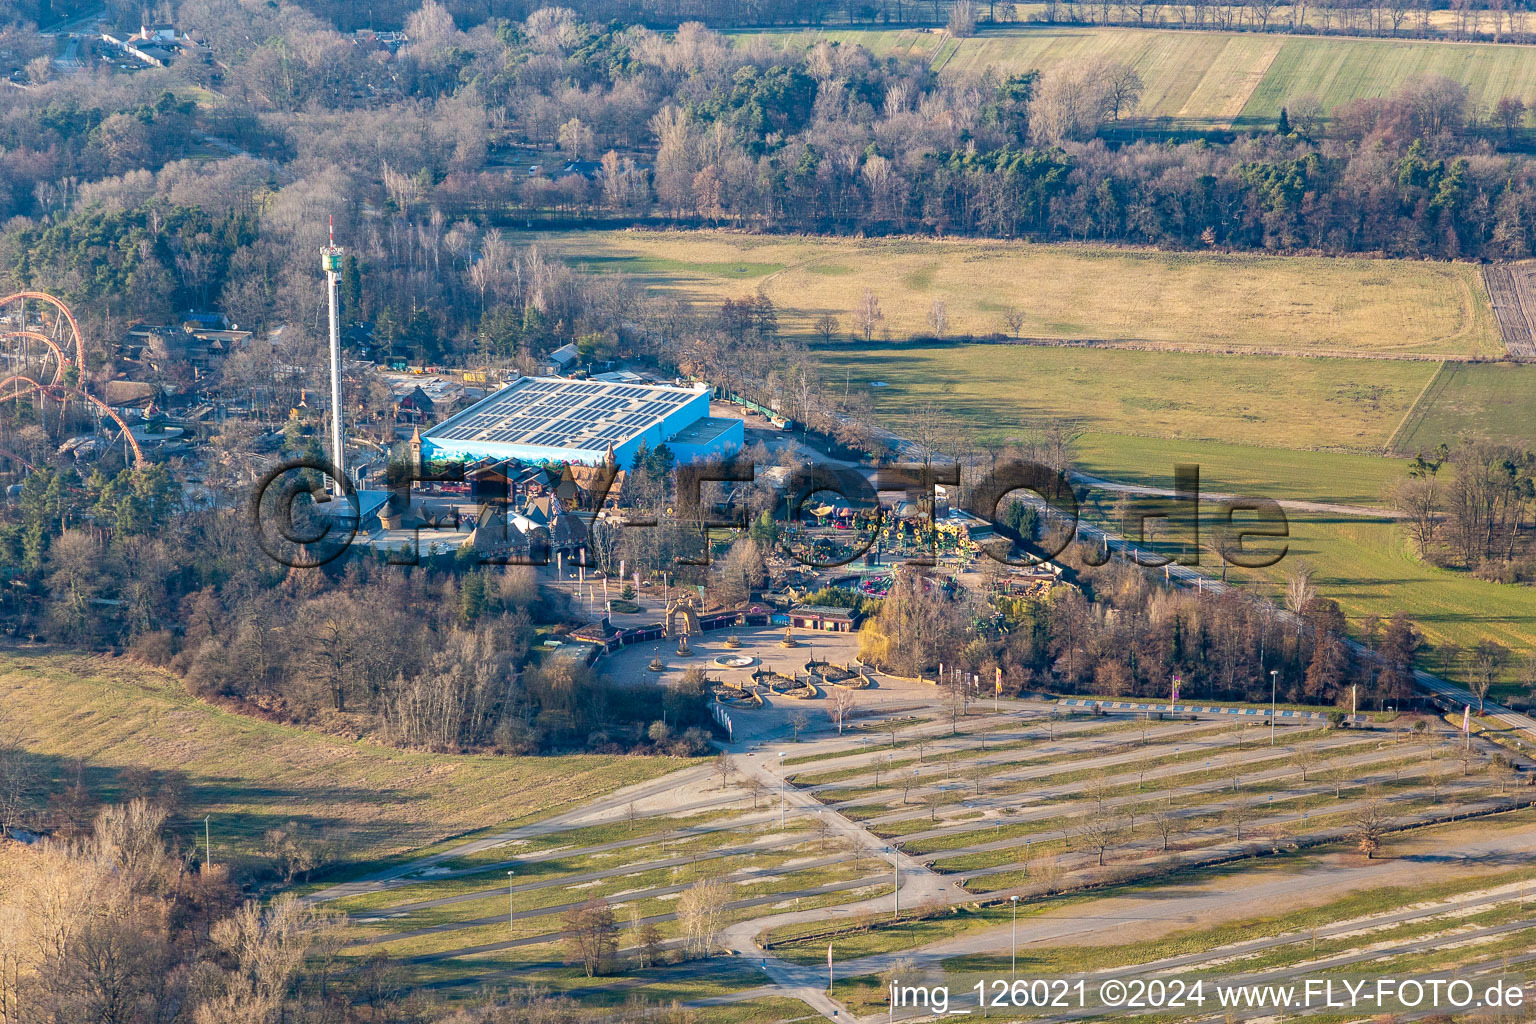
(1211, 497)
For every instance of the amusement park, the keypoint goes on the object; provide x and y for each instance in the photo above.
(47, 383)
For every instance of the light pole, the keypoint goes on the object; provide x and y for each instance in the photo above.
(895, 883)
(781, 789)
(1015, 935)
(207, 842)
(510, 904)
(1274, 680)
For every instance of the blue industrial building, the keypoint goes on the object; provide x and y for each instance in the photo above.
(553, 419)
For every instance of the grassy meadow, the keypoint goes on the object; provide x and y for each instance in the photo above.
(365, 801)
(1488, 401)
(1370, 568)
(999, 390)
(1200, 301)
(1336, 477)
(1211, 79)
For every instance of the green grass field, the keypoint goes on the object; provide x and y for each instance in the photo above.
(1245, 400)
(1369, 567)
(1214, 79)
(1199, 301)
(364, 801)
(1489, 401)
(1338, 477)
(1339, 70)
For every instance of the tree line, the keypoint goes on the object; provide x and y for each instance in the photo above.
(422, 154)
(1121, 632)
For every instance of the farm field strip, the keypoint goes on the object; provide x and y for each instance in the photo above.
(1252, 303)
(1348, 478)
(1504, 294)
(1368, 567)
(1350, 405)
(1485, 401)
(1337, 71)
(1210, 79)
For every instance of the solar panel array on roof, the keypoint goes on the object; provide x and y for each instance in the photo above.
(553, 413)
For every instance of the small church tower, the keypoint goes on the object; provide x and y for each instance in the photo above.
(418, 469)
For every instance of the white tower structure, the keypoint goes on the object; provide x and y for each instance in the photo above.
(330, 260)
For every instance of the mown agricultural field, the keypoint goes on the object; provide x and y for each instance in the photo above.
(1159, 299)
(1247, 400)
(1339, 70)
(1489, 401)
(366, 801)
(1215, 79)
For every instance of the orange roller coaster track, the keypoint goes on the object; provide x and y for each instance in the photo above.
(59, 392)
(58, 353)
(74, 328)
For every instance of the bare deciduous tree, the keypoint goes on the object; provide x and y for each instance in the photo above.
(938, 318)
(932, 799)
(1100, 830)
(798, 721)
(591, 935)
(1165, 824)
(842, 706)
(1014, 319)
(724, 768)
(699, 909)
(868, 314)
(1369, 824)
